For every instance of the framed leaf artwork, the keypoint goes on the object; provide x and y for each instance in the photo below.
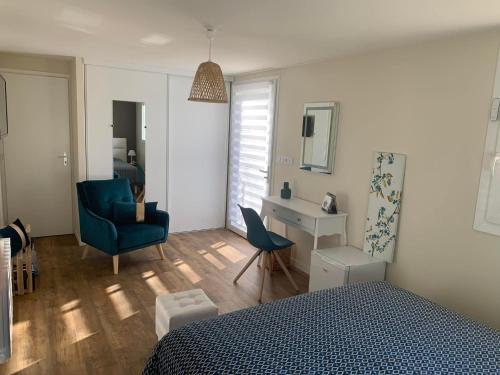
(384, 205)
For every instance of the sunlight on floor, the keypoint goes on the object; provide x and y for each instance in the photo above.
(187, 271)
(20, 329)
(209, 257)
(120, 302)
(231, 254)
(217, 244)
(75, 321)
(154, 283)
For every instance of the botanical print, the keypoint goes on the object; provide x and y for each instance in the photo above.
(384, 204)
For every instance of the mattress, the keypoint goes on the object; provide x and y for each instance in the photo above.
(367, 328)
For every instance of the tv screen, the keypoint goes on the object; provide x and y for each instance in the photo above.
(3, 107)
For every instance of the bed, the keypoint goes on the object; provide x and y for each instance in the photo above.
(133, 172)
(367, 328)
(121, 168)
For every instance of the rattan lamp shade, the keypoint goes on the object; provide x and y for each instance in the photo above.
(208, 85)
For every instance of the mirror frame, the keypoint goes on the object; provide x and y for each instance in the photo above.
(332, 144)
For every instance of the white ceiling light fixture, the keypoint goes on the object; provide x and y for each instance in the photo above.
(208, 85)
(156, 40)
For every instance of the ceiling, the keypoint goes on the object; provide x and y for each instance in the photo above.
(251, 34)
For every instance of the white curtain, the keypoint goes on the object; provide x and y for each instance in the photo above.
(5, 301)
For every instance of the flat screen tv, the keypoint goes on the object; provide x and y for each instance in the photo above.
(3, 108)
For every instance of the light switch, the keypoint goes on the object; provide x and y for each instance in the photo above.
(494, 109)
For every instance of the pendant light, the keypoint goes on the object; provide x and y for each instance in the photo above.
(208, 85)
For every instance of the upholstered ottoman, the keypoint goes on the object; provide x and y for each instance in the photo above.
(177, 309)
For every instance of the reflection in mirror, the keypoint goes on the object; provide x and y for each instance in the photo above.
(129, 144)
(319, 132)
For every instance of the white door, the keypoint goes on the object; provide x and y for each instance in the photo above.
(38, 174)
(250, 148)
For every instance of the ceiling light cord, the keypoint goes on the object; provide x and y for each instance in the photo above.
(210, 36)
(210, 48)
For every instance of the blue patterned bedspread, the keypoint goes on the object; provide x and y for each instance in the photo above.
(369, 328)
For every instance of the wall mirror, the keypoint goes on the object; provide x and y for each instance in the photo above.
(129, 144)
(319, 135)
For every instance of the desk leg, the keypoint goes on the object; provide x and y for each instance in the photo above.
(315, 246)
(343, 237)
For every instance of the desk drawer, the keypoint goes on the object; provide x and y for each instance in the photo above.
(294, 218)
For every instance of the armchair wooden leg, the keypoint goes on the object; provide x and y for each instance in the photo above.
(115, 264)
(85, 251)
(247, 265)
(285, 270)
(160, 251)
(265, 256)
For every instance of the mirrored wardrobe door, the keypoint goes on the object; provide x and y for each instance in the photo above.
(129, 145)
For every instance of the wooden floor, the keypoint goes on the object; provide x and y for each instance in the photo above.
(82, 319)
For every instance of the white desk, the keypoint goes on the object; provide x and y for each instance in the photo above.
(306, 216)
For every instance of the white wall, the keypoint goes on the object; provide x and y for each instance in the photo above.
(103, 85)
(198, 152)
(430, 101)
(78, 151)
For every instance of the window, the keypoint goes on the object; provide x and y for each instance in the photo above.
(250, 146)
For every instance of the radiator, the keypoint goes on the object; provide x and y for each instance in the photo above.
(5, 301)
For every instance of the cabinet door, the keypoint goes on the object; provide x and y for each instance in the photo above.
(324, 274)
(105, 85)
(487, 218)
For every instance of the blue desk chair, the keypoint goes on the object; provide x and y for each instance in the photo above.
(97, 229)
(268, 243)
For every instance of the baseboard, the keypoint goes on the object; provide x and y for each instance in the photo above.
(196, 230)
(298, 270)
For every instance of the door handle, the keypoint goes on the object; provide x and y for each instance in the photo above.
(64, 156)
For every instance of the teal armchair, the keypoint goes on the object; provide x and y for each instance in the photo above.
(97, 229)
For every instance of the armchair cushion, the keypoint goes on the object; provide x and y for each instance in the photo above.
(99, 195)
(133, 235)
(126, 213)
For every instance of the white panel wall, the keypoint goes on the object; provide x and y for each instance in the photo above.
(103, 85)
(198, 134)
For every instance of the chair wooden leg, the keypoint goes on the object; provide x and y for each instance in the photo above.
(278, 258)
(270, 263)
(85, 251)
(160, 251)
(247, 265)
(264, 260)
(259, 262)
(115, 264)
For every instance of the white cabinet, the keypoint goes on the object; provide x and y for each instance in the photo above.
(105, 84)
(197, 157)
(186, 142)
(487, 218)
(343, 265)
